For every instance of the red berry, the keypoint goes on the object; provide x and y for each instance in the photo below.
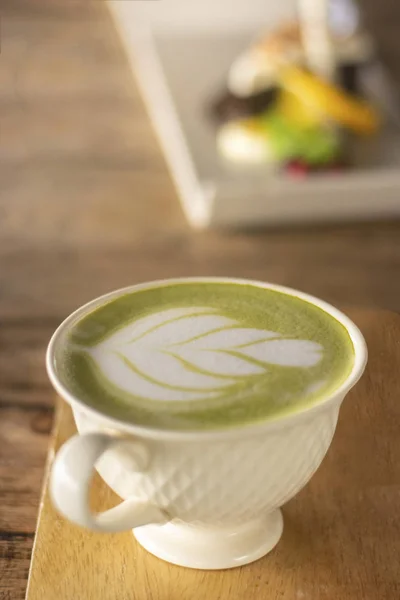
(297, 168)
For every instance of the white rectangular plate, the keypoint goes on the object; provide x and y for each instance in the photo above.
(179, 71)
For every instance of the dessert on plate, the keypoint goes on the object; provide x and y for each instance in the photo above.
(294, 98)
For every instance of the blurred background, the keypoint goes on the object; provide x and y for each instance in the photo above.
(87, 202)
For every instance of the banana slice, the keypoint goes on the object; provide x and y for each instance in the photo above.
(329, 102)
(295, 111)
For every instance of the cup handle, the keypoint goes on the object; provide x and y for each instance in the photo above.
(70, 479)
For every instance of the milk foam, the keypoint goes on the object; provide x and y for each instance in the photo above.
(198, 355)
(189, 354)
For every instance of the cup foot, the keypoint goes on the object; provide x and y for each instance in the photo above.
(212, 548)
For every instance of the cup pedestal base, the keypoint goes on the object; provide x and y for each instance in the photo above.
(212, 548)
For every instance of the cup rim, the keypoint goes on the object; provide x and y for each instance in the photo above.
(237, 431)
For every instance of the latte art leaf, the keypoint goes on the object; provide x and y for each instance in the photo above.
(287, 353)
(219, 362)
(190, 354)
(197, 355)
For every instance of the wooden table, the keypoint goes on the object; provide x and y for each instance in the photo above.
(87, 205)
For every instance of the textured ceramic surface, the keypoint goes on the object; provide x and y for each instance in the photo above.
(219, 483)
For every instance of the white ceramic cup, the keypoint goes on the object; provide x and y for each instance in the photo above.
(207, 499)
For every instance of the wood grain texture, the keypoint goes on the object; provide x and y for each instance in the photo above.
(342, 532)
(87, 205)
(15, 554)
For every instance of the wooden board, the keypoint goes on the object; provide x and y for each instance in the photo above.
(342, 532)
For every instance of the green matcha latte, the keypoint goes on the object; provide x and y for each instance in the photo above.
(201, 355)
